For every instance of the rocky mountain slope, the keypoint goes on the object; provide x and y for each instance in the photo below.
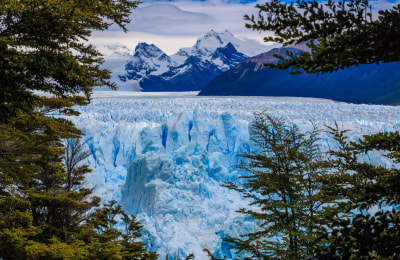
(190, 69)
(376, 84)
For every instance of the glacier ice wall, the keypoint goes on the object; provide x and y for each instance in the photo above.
(165, 156)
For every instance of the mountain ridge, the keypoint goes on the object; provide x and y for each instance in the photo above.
(150, 69)
(368, 83)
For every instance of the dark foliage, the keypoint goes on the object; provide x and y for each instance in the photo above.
(44, 208)
(340, 34)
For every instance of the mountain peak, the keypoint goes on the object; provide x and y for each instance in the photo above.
(210, 41)
(214, 33)
(189, 69)
(142, 45)
(147, 50)
(213, 40)
(211, 33)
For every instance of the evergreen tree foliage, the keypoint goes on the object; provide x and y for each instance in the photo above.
(32, 173)
(106, 242)
(353, 205)
(284, 188)
(339, 34)
(372, 196)
(364, 224)
(308, 207)
(44, 208)
(43, 46)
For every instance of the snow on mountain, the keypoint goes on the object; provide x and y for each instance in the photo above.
(205, 46)
(116, 56)
(195, 72)
(164, 156)
(214, 53)
(147, 59)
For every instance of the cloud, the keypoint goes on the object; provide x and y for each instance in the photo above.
(168, 19)
(170, 44)
(176, 24)
(194, 18)
(188, 17)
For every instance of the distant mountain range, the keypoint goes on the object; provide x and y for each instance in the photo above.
(375, 84)
(150, 69)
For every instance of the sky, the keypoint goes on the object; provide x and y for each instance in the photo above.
(171, 25)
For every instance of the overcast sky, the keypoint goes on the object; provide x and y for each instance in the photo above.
(176, 24)
(171, 25)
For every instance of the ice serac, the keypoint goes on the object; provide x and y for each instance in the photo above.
(164, 158)
(176, 179)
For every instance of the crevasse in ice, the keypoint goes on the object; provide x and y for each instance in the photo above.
(164, 157)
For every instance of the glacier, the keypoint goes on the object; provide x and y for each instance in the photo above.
(164, 156)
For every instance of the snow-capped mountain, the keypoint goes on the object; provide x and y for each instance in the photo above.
(206, 46)
(164, 158)
(147, 60)
(190, 69)
(198, 69)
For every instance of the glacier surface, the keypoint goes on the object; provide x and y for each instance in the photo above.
(164, 156)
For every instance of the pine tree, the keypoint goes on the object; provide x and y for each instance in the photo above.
(339, 34)
(34, 173)
(363, 187)
(44, 209)
(43, 46)
(105, 241)
(282, 184)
